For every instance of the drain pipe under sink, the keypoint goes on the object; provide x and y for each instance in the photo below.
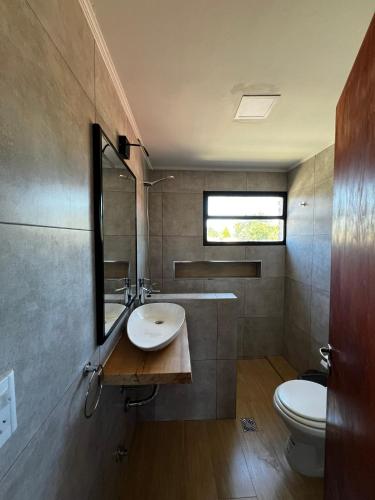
(136, 403)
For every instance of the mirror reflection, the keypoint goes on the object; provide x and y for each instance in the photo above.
(117, 233)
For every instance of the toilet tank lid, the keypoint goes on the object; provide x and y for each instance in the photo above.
(304, 398)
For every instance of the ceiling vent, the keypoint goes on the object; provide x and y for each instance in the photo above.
(255, 107)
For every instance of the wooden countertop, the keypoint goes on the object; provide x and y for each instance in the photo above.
(128, 365)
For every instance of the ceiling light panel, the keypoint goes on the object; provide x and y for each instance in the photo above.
(255, 107)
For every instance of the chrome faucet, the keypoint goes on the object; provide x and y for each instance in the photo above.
(146, 289)
(126, 289)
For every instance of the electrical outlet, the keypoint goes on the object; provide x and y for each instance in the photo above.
(8, 415)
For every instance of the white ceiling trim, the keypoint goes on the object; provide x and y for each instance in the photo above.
(94, 26)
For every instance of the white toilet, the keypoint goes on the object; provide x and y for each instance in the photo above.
(302, 405)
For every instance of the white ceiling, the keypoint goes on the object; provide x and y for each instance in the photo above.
(184, 65)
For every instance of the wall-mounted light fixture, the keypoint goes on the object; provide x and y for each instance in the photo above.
(124, 147)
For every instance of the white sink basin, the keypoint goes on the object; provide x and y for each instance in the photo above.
(112, 311)
(153, 326)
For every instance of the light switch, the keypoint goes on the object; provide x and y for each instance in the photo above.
(8, 415)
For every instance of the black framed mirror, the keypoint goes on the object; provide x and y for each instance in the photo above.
(115, 235)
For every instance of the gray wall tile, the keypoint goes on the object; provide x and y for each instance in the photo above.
(156, 213)
(48, 115)
(314, 356)
(119, 214)
(323, 207)
(265, 297)
(180, 248)
(324, 163)
(320, 304)
(297, 347)
(298, 304)
(185, 181)
(298, 262)
(228, 285)
(225, 181)
(226, 388)
(182, 214)
(156, 257)
(224, 253)
(208, 342)
(47, 319)
(301, 217)
(70, 462)
(240, 351)
(196, 401)
(183, 286)
(228, 313)
(261, 336)
(302, 176)
(321, 270)
(272, 257)
(202, 325)
(72, 36)
(266, 181)
(113, 182)
(117, 247)
(308, 259)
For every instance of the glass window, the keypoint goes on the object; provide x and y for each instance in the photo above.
(244, 218)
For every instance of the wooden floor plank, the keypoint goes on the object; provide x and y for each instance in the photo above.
(283, 368)
(230, 469)
(266, 471)
(252, 401)
(216, 460)
(155, 469)
(199, 477)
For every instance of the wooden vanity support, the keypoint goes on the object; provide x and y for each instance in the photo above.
(128, 365)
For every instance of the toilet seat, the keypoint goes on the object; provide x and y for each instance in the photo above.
(304, 402)
(305, 423)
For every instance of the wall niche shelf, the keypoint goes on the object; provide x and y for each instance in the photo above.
(206, 269)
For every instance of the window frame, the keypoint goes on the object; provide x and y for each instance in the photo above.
(206, 194)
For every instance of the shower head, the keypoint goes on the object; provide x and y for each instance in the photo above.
(152, 183)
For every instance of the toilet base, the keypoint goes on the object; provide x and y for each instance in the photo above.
(304, 458)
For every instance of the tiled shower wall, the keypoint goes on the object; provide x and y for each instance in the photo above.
(308, 259)
(53, 85)
(176, 220)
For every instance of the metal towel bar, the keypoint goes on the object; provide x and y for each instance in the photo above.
(98, 372)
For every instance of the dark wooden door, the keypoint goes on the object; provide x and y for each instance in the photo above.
(350, 446)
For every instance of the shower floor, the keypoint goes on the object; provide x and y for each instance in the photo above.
(216, 459)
